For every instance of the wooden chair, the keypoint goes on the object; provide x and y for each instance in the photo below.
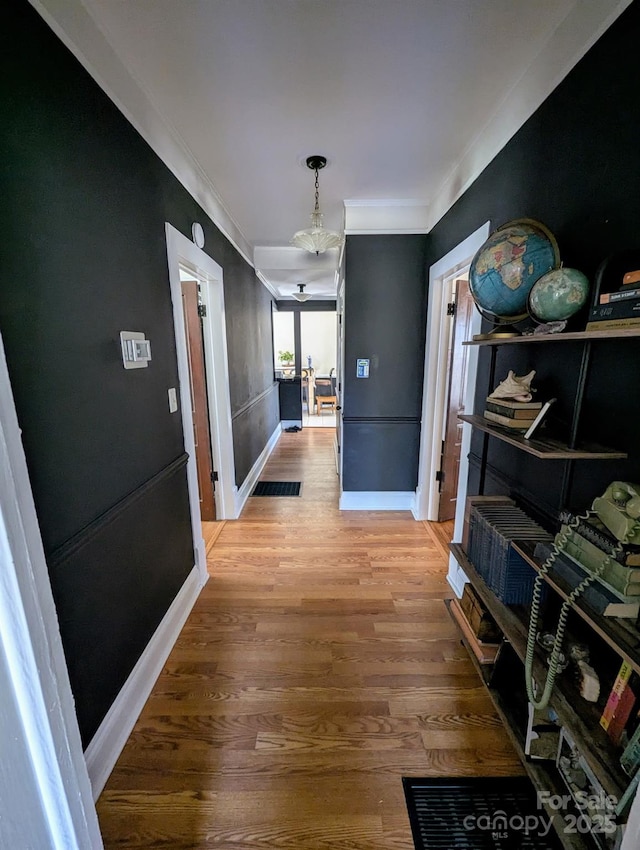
(325, 394)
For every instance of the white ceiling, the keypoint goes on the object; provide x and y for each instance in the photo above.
(408, 100)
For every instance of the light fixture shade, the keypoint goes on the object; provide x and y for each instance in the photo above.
(316, 239)
(302, 296)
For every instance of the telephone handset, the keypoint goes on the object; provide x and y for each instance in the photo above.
(619, 510)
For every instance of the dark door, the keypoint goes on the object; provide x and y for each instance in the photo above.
(199, 405)
(450, 464)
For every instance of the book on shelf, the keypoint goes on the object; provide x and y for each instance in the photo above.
(523, 413)
(627, 308)
(515, 405)
(619, 687)
(620, 295)
(631, 277)
(595, 596)
(593, 530)
(630, 758)
(613, 324)
(538, 420)
(507, 421)
(622, 711)
(622, 581)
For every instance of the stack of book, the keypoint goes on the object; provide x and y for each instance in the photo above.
(618, 309)
(587, 544)
(515, 415)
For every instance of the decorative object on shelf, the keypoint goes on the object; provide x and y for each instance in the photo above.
(301, 295)
(507, 266)
(558, 295)
(316, 239)
(515, 388)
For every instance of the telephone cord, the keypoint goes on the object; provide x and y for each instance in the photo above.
(554, 658)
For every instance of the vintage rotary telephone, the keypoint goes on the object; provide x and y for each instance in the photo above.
(619, 510)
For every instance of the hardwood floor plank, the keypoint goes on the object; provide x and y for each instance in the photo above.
(318, 667)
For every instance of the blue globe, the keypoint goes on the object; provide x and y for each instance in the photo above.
(506, 267)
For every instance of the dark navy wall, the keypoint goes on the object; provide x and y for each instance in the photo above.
(575, 165)
(384, 315)
(84, 203)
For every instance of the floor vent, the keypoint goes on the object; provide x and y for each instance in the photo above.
(479, 813)
(277, 488)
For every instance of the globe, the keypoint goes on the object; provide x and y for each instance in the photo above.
(506, 267)
(558, 294)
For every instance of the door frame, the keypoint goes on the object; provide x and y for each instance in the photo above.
(30, 642)
(183, 252)
(434, 395)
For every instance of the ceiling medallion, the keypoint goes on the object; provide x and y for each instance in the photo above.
(316, 239)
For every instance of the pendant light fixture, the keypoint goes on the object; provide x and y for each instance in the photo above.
(316, 239)
(302, 296)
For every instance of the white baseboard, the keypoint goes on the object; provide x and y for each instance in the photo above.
(456, 577)
(289, 423)
(355, 500)
(106, 745)
(251, 480)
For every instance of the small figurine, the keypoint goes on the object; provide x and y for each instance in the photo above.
(513, 387)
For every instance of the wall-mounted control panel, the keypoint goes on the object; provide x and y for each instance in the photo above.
(136, 350)
(362, 368)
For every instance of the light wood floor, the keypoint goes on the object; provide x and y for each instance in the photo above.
(318, 667)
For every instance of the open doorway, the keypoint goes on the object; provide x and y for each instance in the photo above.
(205, 329)
(319, 343)
(441, 346)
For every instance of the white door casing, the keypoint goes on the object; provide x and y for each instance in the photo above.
(182, 252)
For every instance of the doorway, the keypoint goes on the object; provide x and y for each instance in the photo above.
(194, 314)
(442, 275)
(318, 343)
(187, 260)
(460, 310)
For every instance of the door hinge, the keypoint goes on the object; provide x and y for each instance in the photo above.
(451, 308)
(202, 310)
(214, 476)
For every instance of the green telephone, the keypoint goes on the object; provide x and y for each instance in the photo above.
(619, 510)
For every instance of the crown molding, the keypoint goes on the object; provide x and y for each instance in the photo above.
(396, 216)
(79, 32)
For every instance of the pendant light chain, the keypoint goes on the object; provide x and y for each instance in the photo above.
(317, 206)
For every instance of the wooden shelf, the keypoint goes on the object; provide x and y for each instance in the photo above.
(620, 635)
(545, 448)
(483, 669)
(579, 717)
(582, 336)
(544, 776)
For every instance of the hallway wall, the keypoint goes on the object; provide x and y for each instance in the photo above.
(85, 201)
(574, 166)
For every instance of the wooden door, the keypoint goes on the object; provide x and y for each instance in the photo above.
(199, 404)
(450, 463)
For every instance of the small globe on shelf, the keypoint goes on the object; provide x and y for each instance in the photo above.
(507, 266)
(558, 295)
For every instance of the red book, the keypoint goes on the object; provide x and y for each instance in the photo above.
(621, 714)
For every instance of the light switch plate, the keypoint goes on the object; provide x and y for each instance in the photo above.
(173, 400)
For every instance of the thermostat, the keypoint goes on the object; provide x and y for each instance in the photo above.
(136, 350)
(362, 368)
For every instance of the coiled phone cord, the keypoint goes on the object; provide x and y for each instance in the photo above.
(554, 658)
